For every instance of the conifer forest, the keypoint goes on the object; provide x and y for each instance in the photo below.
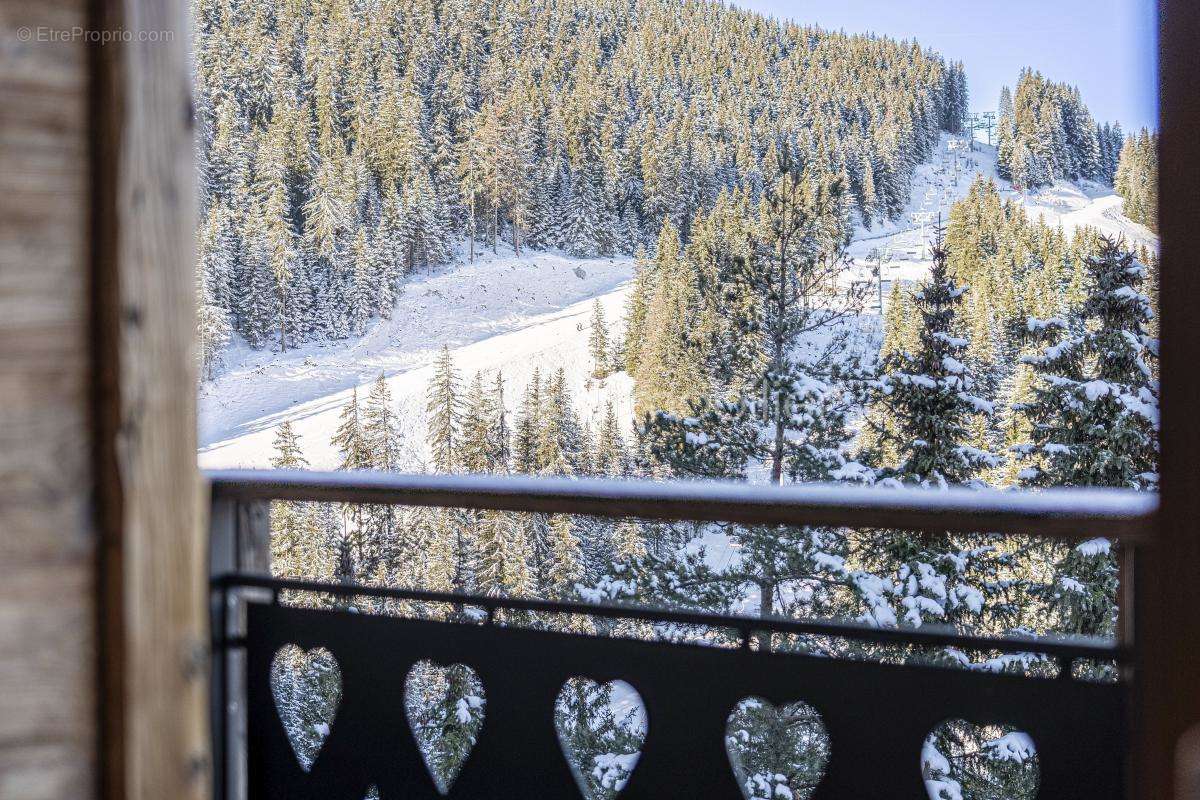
(668, 240)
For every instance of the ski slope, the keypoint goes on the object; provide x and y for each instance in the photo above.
(516, 314)
(902, 245)
(500, 313)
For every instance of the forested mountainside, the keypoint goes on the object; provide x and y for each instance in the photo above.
(1046, 133)
(1137, 178)
(347, 143)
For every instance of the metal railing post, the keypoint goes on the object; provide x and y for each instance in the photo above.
(239, 542)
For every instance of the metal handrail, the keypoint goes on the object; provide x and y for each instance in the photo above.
(1062, 648)
(1056, 513)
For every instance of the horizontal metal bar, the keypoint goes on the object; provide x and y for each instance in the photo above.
(1056, 647)
(1058, 513)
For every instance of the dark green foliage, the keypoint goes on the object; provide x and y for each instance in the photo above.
(1137, 178)
(1046, 133)
(346, 145)
(1093, 421)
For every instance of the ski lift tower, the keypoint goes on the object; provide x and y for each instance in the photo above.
(955, 147)
(982, 121)
(923, 218)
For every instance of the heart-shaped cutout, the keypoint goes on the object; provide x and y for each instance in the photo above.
(601, 728)
(307, 687)
(776, 752)
(961, 761)
(445, 708)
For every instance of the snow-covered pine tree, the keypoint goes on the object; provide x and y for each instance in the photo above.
(636, 308)
(928, 393)
(600, 742)
(444, 407)
(349, 438)
(475, 450)
(1137, 178)
(504, 551)
(669, 372)
(213, 330)
(452, 539)
(1094, 422)
(560, 447)
(354, 454)
(777, 753)
(598, 344)
(298, 548)
(1006, 132)
(966, 582)
(382, 441)
(610, 458)
(780, 416)
(528, 426)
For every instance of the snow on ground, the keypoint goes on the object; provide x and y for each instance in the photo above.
(514, 314)
(502, 312)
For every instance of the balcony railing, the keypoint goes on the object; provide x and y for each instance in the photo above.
(876, 715)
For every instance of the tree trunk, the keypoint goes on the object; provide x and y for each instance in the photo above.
(471, 229)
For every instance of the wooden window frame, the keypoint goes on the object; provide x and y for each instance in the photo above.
(152, 599)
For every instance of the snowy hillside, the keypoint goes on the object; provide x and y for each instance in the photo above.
(502, 312)
(517, 314)
(937, 186)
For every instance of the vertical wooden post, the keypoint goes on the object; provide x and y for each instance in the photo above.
(47, 532)
(153, 626)
(1168, 625)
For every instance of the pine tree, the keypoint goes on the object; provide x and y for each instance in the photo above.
(444, 406)
(559, 446)
(598, 344)
(669, 373)
(299, 548)
(382, 441)
(213, 330)
(350, 438)
(929, 394)
(528, 427)
(784, 291)
(381, 429)
(637, 306)
(611, 459)
(476, 452)
(504, 556)
(1137, 178)
(288, 453)
(1094, 421)
(783, 420)
(601, 745)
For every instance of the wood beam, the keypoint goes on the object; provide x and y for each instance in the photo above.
(153, 624)
(1168, 590)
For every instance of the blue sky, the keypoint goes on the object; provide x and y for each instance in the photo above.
(1105, 47)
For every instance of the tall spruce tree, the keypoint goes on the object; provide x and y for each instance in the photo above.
(444, 408)
(929, 393)
(598, 344)
(781, 417)
(1094, 422)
